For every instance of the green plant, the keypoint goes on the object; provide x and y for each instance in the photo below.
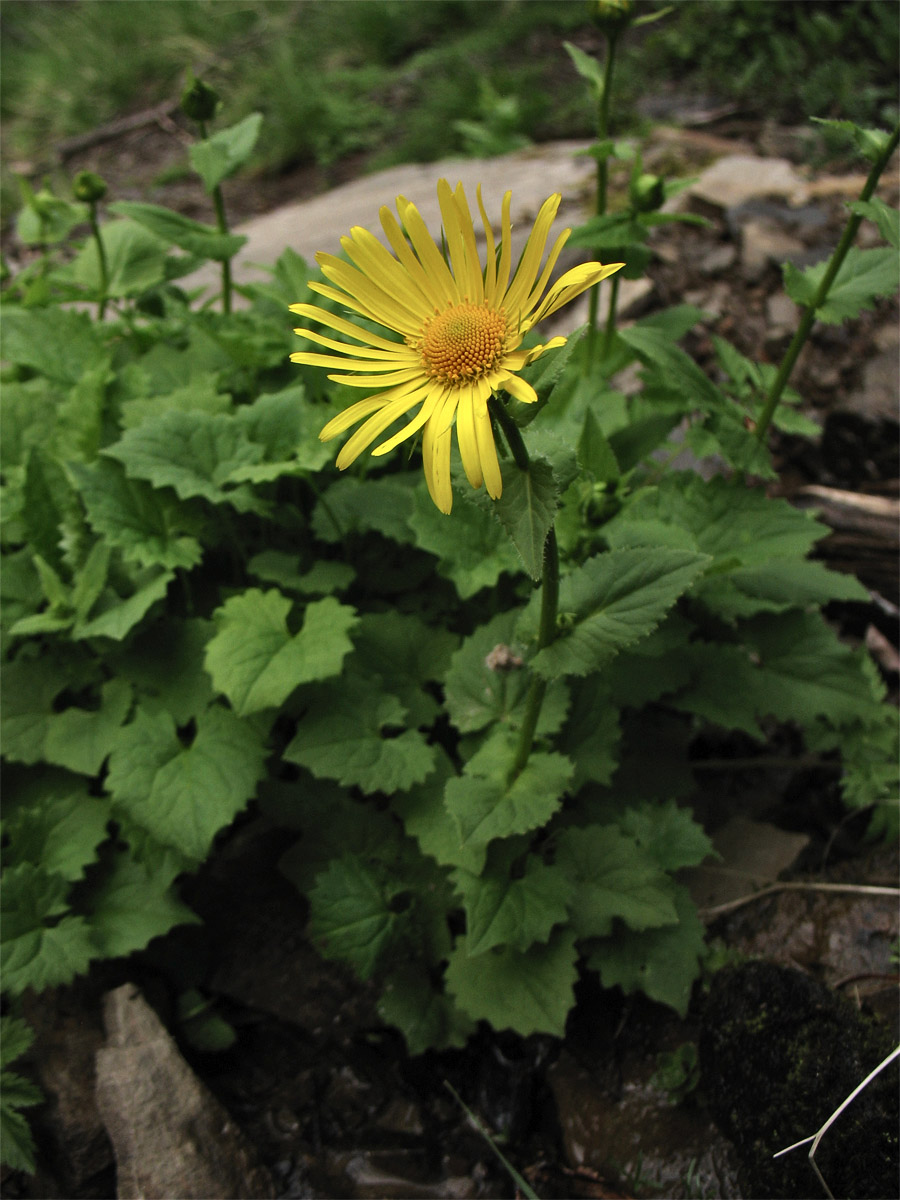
(200, 612)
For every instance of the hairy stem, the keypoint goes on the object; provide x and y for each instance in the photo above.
(222, 226)
(546, 633)
(101, 257)
(809, 314)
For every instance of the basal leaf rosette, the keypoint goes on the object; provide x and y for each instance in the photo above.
(460, 328)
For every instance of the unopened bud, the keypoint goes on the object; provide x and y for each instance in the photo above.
(88, 187)
(612, 16)
(199, 101)
(647, 193)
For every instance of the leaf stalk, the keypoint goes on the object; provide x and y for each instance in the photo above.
(809, 314)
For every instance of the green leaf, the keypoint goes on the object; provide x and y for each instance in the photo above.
(183, 795)
(485, 806)
(661, 963)
(487, 682)
(613, 878)
(59, 834)
(17, 1036)
(528, 992)
(165, 663)
(863, 276)
(777, 586)
(516, 912)
(611, 601)
(193, 452)
(355, 506)
(407, 654)
(595, 454)
(287, 427)
(323, 577)
(886, 218)
(76, 738)
(47, 495)
(177, 230)
(526, 510)
(591, 735)
(428, 1019)
(34, 953)
(16, 1143)
(472, 549)
(147, 526)
(350, 914)
(669, 834)
(219, 156)
(256, 661)
(136, 260)
(793, 667)
(586, 66)
(135, 904)
(870, 142)
(349, 733)
(115, 617)
(56, 342)
(654, 345)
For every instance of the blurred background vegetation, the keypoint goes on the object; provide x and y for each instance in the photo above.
(415, 80)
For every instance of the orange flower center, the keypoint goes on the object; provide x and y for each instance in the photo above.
(462, 342)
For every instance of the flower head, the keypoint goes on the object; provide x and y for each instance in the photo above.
(461, 327)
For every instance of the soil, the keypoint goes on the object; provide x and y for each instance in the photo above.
(326, 1095)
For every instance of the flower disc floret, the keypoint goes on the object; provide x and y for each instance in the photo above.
(453, 331)
(462, 342)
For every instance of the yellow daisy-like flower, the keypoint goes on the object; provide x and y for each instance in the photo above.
(462, 328)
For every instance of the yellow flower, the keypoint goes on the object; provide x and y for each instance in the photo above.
(461, 328)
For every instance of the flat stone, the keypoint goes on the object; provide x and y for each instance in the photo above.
(739, 177)
(170, 1135)
(781, 313)
(763, 244)
(878, 396)
(318, 224)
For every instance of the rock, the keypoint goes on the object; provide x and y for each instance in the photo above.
(764, 244)
(718, 259)
(781, 313)
(317, 224)
(779, 1053)
(877, 397)
(739, 177)
(171, 1137)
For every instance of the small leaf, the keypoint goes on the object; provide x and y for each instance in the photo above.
(350, 914)
(528, 992)
(863, 276)
(134, 904)
(177, 230)
(472, 549)
(661, 963)
(611, 601)
(256, 662)
(526, 510)
(219, 156)
(502, 911)
(349, 733)
(886, 218)
(428, 1019)
(870, 142)
(183, 795)
(586, 66)
(614, 878)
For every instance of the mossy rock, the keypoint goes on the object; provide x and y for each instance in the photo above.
(778, 1054)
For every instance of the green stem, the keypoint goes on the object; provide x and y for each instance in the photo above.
(546, 633)
(101, 257)
(809, 314)
(222, 226)
(602, 183)
(549, 596)
(609, 332)
(511, 432)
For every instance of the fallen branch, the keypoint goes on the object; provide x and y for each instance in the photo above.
(858, 889)
(815, 1138)
(160, 113)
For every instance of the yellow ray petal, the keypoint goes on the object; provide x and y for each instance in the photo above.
(490, 263)
(428, 285)
(530, 261)
(323, 317)
(516, 386)
(374, 427)
(436, 461)
(467, 439)
(385, 309)
(505, 251)
(364, 249)
(487, 452)
(399, 352)
(538, 290)
(314, 359)
(428, 254)
(433, 397)
(356, 412)
(405, 376)
(572, 284)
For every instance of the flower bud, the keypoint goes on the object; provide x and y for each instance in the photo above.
(199, 101)
(646, 193)
(88, 187)
(612, 16)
